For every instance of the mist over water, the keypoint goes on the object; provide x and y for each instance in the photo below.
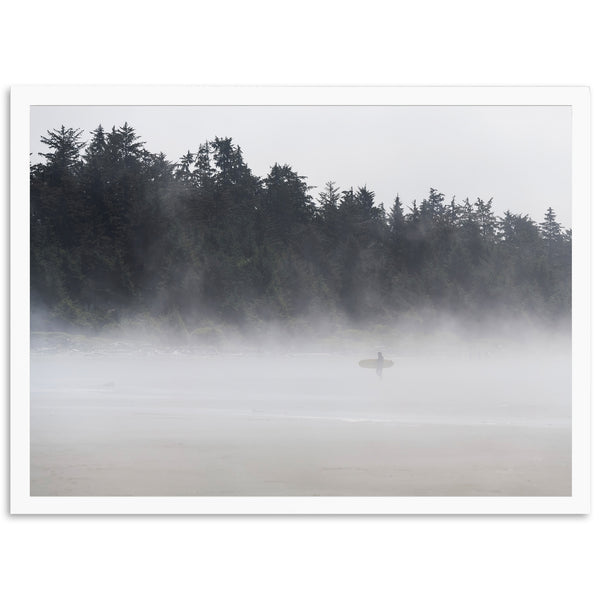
(457, 414)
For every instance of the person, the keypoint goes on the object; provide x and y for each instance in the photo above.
(379, 364)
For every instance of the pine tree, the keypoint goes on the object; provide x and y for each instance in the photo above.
(486, 220)
(550, 229)
(396, 220)
(329, 199)
(117, 228)
(64, 157)
(183, 170)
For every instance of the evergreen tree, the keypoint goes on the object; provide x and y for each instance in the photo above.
(116, 229)
(64, 155)
(329, 201)
(486, 219)
(396, 220)
(550, 228)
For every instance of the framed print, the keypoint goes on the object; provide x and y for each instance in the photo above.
(300, 300)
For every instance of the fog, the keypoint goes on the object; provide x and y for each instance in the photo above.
(458, 414)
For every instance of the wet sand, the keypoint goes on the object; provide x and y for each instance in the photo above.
(297, 426)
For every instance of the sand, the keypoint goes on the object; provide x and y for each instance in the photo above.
(169, 424)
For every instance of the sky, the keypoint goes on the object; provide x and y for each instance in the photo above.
(519, 155)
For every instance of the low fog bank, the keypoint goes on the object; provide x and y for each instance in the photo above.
(424, 333)
(461, 412)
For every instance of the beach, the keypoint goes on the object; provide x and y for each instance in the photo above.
(186, 424)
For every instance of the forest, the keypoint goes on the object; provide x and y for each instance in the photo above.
(118, 233)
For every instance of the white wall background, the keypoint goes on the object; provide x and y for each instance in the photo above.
(261, 42)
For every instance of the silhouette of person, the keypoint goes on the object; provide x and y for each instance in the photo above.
(379, 363)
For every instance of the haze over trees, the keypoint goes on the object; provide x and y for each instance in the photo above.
(118, 232)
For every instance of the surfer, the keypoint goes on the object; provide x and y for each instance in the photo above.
(379, 364)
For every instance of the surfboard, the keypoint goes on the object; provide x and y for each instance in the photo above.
(371, 363)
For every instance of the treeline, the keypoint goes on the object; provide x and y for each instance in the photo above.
(118, 231)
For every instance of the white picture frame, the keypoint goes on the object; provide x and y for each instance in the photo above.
(24, 97)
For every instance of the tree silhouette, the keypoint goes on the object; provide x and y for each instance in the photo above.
(117, 231)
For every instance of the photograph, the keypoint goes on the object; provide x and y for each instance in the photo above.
(300, 300)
